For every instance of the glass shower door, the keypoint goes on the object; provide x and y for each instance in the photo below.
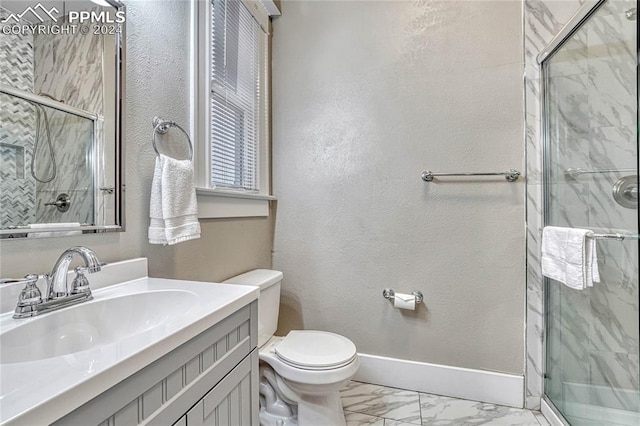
(591, 181)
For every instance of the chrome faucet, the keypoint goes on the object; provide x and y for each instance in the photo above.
(58, 294)
(57, 281)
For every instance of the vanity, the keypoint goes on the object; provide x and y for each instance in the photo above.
(143, 351)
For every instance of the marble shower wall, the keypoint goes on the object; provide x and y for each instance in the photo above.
(72, 138)
(69, 68)
(17, 187)
(594, 332)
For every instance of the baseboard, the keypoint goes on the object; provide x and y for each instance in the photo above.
(476, 385)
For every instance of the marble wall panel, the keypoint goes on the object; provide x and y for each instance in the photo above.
(17, 186)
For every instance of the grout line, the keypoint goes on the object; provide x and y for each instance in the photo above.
(388, 387)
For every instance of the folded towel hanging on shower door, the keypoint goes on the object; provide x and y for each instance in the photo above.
(569, 256)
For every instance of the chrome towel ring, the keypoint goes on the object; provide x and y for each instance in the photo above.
(162, 126)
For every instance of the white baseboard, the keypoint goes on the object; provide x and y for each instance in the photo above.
(476, 385)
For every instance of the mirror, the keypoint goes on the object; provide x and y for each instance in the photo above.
(61, 162)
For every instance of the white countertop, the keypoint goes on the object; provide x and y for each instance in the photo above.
(40, 392)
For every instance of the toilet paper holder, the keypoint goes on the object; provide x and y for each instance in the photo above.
(389, 294)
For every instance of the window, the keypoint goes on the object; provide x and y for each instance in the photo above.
(231, 106)
(235, 96)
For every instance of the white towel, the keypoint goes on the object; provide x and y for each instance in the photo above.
(47, 234)
(173, 208)
(569, 256)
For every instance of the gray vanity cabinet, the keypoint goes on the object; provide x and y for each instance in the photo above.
(210, 380)
(224, 405)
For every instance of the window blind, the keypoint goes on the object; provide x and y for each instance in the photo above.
(236, 66)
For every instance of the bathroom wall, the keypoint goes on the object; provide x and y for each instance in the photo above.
(17, 186)
(366, 96)
(595, 73)
(156, 84)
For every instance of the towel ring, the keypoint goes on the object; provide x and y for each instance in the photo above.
(162, 126)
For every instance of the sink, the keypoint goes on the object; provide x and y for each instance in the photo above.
(92, 325)
(53, 363)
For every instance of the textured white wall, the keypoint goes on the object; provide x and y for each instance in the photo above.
(157, 83)
(367, 95)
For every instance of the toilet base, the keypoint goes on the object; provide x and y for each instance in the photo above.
(283, 403)
(321, 410)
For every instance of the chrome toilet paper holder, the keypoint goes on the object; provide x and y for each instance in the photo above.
(389, 294)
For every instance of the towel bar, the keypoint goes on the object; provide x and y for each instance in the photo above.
(618, 237)
(576, 171)
(510, 175)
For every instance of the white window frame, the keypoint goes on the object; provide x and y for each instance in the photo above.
(216, 202)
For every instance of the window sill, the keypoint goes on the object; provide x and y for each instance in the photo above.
(216, 204)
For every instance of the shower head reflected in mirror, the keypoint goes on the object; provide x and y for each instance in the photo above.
(631, 14)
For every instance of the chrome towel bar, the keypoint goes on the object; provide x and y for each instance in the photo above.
(510, 175)
(618, 237)
(575, 171)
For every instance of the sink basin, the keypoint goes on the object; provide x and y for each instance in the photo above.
(92, 324)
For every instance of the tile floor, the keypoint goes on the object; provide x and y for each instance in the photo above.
(372, 405)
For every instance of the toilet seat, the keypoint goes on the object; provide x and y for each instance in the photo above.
(315, 350)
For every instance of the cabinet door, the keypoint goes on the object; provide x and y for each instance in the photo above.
(233, 402)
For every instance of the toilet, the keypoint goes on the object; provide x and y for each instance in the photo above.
(301, 374)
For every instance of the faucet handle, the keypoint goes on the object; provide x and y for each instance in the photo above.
(80, 284)
(30, 295)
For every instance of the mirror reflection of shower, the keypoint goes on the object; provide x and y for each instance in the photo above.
(41, 115)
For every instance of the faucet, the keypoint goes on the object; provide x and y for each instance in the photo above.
(57, 280)
(58, 294)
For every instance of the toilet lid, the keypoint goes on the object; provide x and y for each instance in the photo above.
(316, 349)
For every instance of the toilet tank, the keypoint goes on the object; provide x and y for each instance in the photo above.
(268, 302)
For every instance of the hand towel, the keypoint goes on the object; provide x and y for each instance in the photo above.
(569, 256)
(47, 234)
(173, 208)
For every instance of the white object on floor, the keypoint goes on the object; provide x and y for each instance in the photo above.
(173, 208)
(309, 367)
(569, 256)
(46, 234)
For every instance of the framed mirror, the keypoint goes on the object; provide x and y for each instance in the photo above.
(61, 99)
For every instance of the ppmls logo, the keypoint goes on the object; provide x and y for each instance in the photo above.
(42, 16)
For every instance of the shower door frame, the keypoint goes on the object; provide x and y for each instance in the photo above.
(582, 15)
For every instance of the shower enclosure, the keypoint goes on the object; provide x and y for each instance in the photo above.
(590, 126)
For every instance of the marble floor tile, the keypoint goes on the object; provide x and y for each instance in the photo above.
(373, 405)
(379, 401)
(389, 422)
(440, 410)
(359, 419)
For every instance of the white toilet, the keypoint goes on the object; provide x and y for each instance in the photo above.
(302, 373)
